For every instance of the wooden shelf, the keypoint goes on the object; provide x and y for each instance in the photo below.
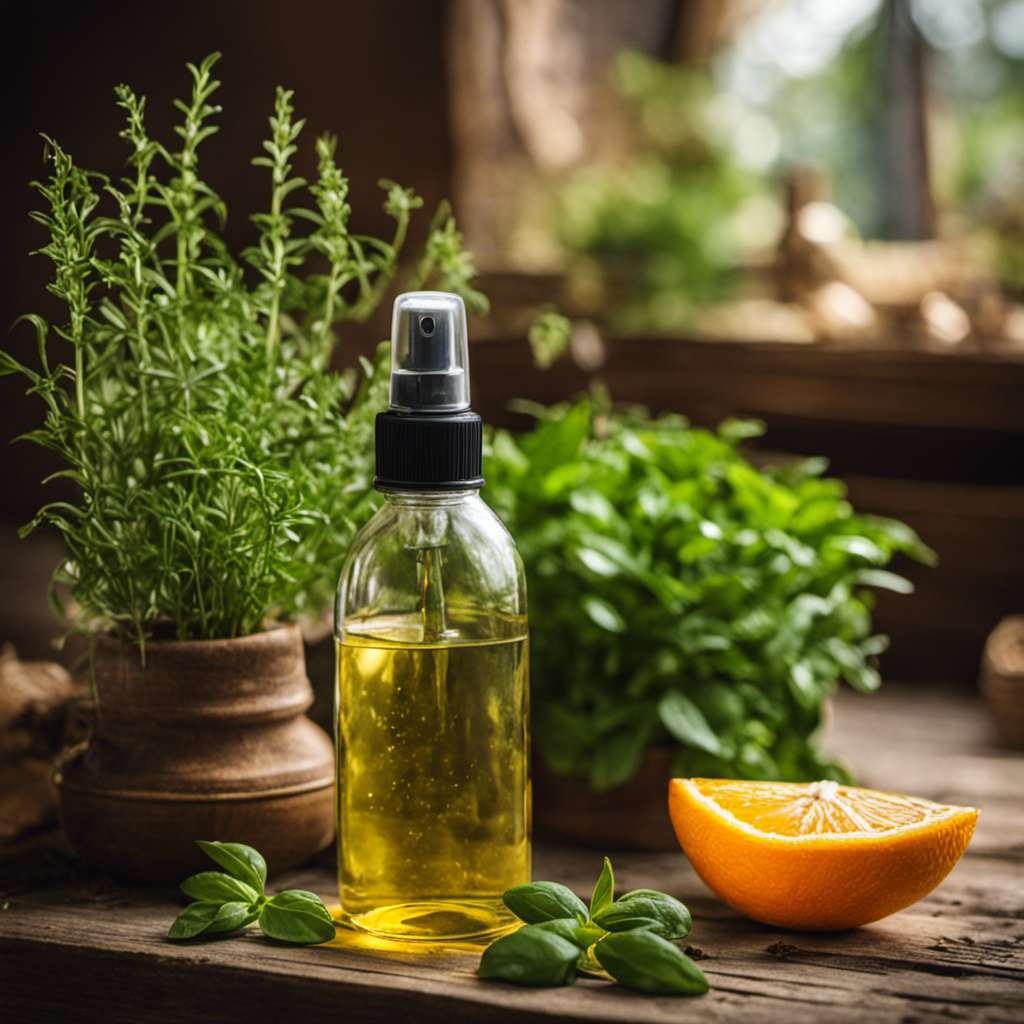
(932, 439)
(78, 947)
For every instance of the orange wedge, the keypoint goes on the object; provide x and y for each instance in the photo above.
(816, 856)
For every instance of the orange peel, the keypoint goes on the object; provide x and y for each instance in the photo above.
(816, 856)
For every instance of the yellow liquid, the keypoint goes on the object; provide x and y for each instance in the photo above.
(433, 786)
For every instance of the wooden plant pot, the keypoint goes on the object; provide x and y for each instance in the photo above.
(633, 816)
(208, 740)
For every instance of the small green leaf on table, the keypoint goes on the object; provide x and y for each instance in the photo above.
(210, 919)
(240, 861)
(646, 962)
(657, 912)
(531, 956)
(297, 916)
(229, 901)
(217, 887)
(604, 890)
(535, 902)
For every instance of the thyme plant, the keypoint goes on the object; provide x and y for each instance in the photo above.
(220, 465)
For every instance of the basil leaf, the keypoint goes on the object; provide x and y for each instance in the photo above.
(534, 902)
(653, 893)
(581, 935)
(659, 913)
(216, 887)
(564, 927)
(589, 934)
(210, 918)
(297, 916)
(531, 956)
(232, 916)
(604, 890)
(556, 442)
(193, 920)
(885, 580)
(646, 962)
(240, 861)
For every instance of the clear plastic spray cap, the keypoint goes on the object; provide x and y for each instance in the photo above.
(429, 353)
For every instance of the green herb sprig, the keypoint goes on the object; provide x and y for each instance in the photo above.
(234, 898)
(220, 467)
(628, 940)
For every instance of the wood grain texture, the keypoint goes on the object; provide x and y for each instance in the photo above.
(76, 947)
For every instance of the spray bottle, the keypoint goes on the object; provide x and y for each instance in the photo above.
(432, 715)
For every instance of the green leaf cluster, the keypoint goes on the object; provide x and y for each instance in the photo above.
(659, 227)
(627, 940)
(680, 596)
(220, 466)
(234, 898)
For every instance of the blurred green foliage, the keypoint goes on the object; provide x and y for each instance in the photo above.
(986, 87)
(658, 227)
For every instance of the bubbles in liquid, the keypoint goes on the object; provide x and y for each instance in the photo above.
(433, 782)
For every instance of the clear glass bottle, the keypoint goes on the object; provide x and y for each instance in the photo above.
(432, 715)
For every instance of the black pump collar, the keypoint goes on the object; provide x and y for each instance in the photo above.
(429, 451)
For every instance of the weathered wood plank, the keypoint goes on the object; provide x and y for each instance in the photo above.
(87, 948)
(865, 975)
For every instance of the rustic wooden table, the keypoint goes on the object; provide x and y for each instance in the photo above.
(75, 947)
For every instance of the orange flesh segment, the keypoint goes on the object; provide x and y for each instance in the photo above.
(823, 808)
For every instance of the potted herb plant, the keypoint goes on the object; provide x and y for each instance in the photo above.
(690, 614)
(219, 469)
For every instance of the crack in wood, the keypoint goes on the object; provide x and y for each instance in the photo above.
(886, 965)
(795, 998)
(782, 949)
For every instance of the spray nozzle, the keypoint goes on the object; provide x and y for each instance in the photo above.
(429, 353)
